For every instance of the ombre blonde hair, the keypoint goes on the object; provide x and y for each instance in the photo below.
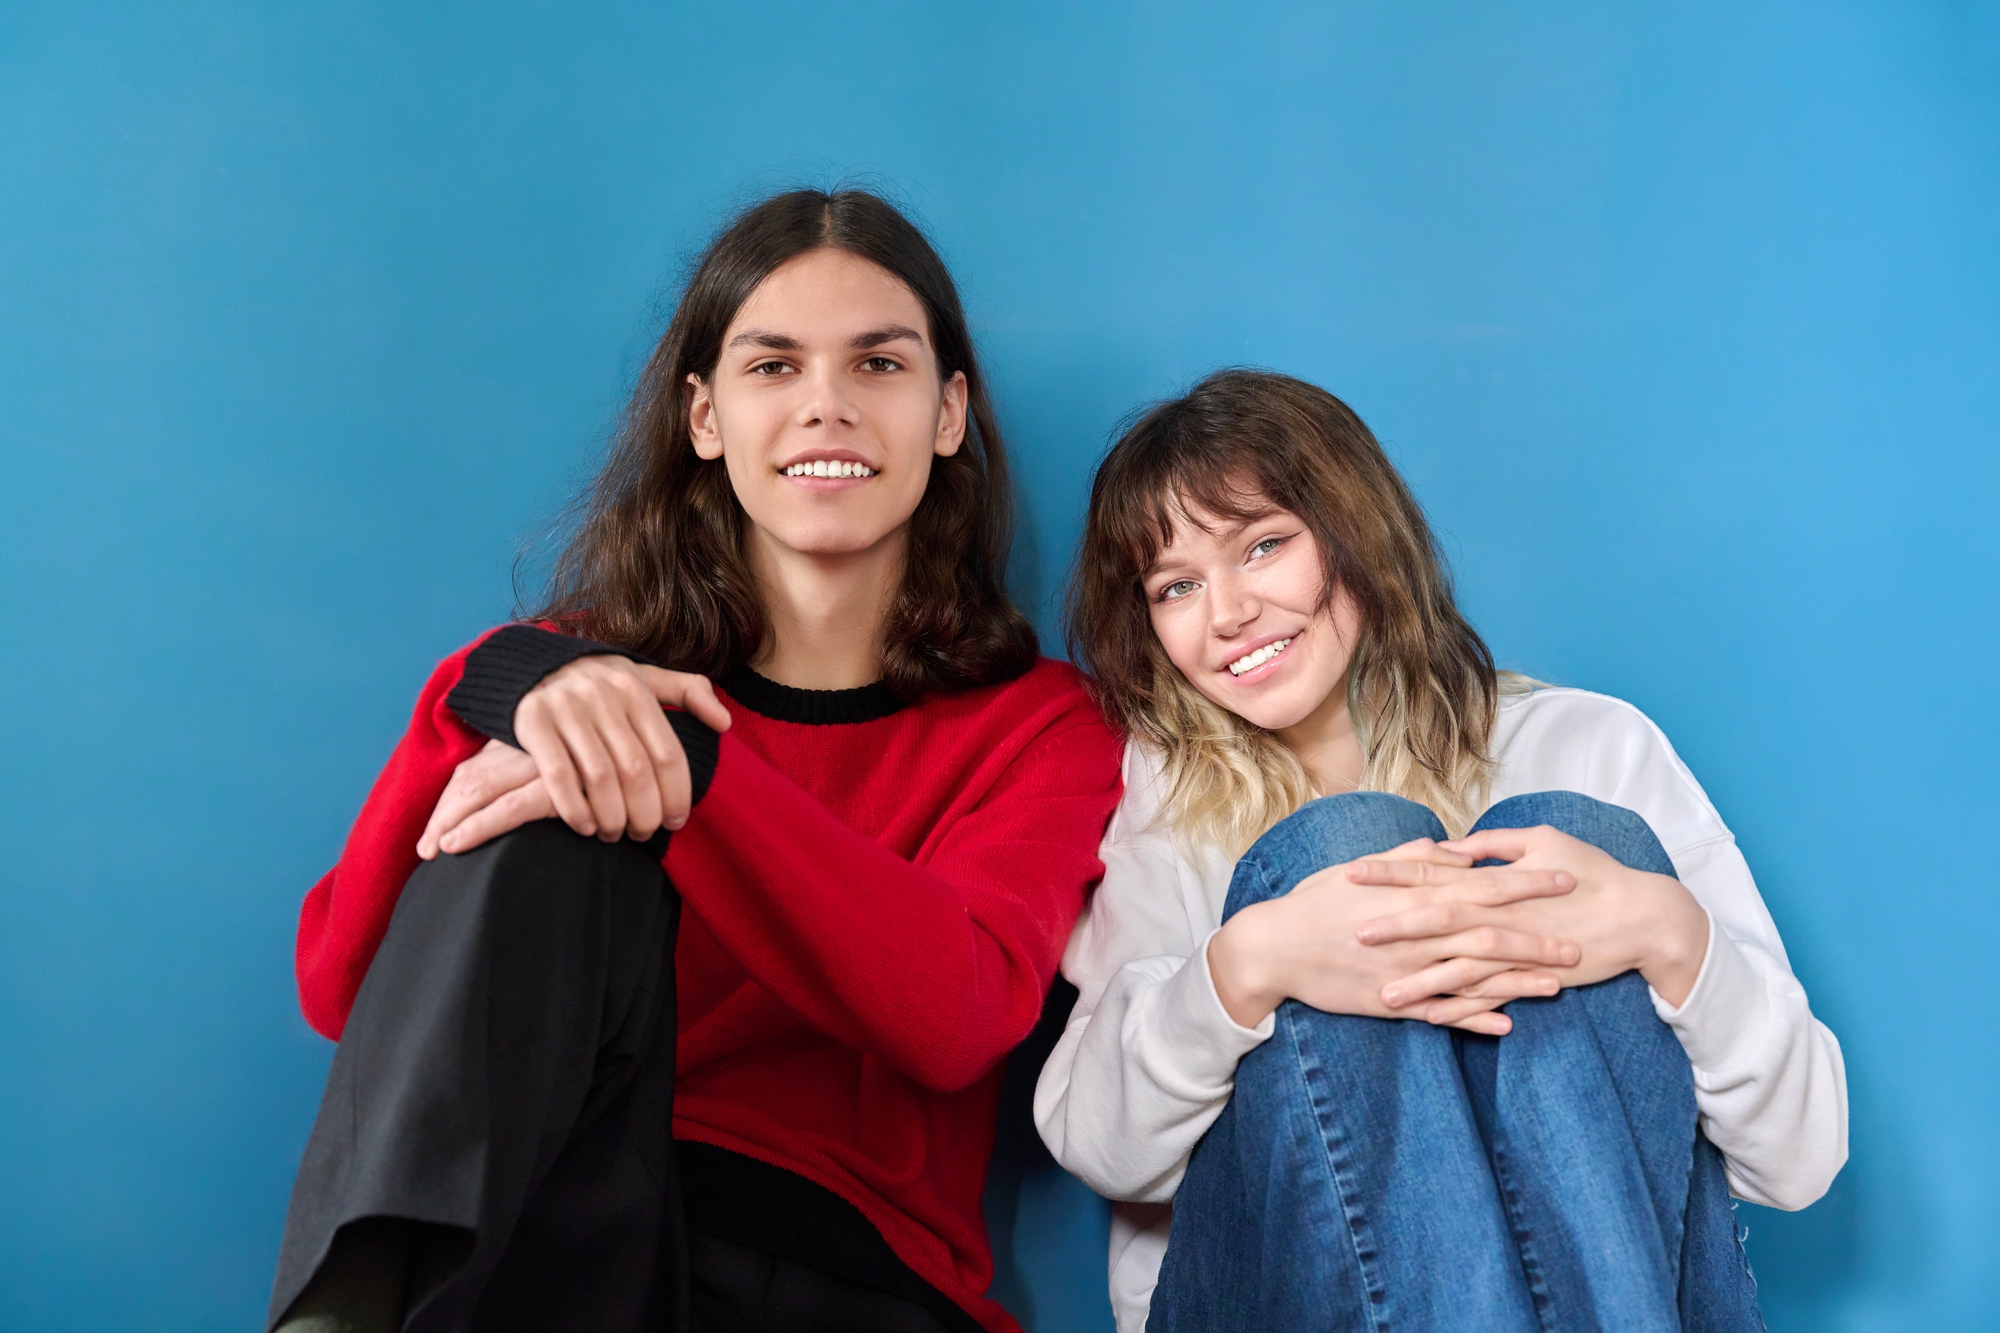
(1422, 689)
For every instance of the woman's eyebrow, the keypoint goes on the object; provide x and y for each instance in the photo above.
(887, 333)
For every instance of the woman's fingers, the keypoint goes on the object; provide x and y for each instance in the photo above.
(1516, 983)
(1472, 1015)
(1469, 976)
(497, 769)
(523, 805)
(1487, 884)
(1498, 844)
(1487, 1024)
(1498, 943)
(1427, 851)
(1504, 886)
(1406, 873)
(1449, 915)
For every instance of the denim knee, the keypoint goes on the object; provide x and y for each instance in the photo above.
(1327, 832)
(1622, 833)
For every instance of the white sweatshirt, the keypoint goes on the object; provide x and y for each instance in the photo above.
(1149, 1056)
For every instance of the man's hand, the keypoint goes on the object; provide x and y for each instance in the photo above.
(612, 765)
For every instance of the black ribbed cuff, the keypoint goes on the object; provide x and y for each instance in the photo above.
(703, 747)
(513, 660)
(506, 666)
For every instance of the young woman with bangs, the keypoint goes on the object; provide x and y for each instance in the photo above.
(1416, 995)
(696, 1019)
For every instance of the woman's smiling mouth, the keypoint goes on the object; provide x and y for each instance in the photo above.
(1250, 661)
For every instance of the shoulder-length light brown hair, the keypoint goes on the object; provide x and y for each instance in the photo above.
(1421, 687)
(657, 565)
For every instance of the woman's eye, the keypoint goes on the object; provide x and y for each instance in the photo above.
(1176, 590)
(1265, 547)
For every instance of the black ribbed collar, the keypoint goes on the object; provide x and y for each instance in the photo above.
(786, 703)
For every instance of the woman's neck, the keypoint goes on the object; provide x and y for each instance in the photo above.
(1326, 743)
(826, 613)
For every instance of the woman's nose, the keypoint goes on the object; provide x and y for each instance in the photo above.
(1230, 608)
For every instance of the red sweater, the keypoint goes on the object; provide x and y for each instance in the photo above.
(872, 914)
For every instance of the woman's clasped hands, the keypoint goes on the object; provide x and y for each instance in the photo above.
(1421, 931)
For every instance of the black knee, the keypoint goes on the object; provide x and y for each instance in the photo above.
(541, 868)
(540, 899)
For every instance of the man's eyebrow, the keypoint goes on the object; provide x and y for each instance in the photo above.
(888, 333)
(777, 342)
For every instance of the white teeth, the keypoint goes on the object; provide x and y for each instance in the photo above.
(1251, 661)
(822, 467)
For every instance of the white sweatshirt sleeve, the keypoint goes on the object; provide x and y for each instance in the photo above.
(1149, 1056)
(1769, 1081)
(1768, 1076)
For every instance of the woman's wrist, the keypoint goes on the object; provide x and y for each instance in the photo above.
(1677, 941)
(1239, 966)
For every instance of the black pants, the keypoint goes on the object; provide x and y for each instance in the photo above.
(506, 1081)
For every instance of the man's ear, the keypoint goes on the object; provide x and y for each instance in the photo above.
(951, 416)
(703, 428)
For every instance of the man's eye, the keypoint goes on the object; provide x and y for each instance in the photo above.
(882, 364)
(769, 368)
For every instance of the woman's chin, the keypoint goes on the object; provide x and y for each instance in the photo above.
(1273, 710)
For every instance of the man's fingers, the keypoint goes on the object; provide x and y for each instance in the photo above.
(638, 782)
(685, 690)
(596, 769)
(479, 781)
(676, 791)
(669, 765)
(537, 733)
(524, 805)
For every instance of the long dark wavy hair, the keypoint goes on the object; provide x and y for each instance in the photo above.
(657, 564)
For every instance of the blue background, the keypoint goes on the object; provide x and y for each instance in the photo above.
(1684, 320)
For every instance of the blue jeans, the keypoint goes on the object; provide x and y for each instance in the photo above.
(1384, 1174)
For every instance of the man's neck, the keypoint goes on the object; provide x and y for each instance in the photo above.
(826, 613)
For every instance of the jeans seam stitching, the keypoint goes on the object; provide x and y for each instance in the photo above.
(1372, 1290)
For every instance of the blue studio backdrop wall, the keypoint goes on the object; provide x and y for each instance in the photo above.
(1683, 318)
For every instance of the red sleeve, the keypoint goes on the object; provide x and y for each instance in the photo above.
(347, 912)
(939, 967)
